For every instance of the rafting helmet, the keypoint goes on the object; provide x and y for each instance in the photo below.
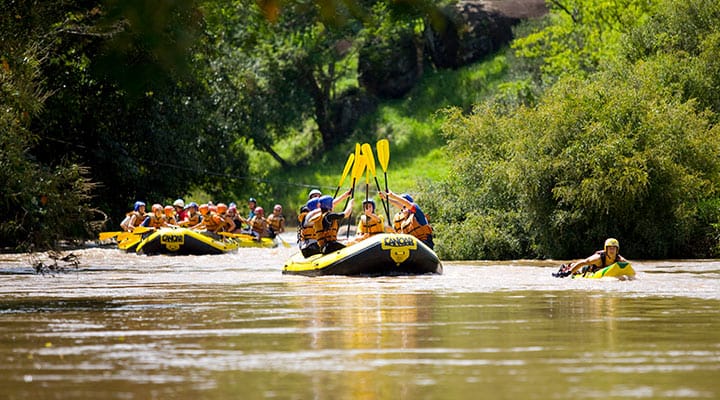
(192, 204)
(610, 242)
(222, 208)
(179, 203)
(259, 210)
(169, 210)
(137, 205)
(326, 202)
(252, 200)
(407, 197)
(277, 207)
(157, 208)
(369, 201)
(204, 208)
(314, 193)
(312, 203)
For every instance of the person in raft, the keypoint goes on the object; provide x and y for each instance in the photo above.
(410, 219)
(307, 242)
(276, 221)
(180, 210)
(192, 216)
(599, 260)
(134, 218)
(327, 223)
(369, 223)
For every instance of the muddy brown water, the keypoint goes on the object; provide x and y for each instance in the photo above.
(124, 326)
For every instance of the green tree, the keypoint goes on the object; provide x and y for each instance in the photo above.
(579, 35)
(596, 158)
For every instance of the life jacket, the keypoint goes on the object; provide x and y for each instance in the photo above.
(193, 218)
(155, 221)
(139, 218)
(305, 232)
(259, 225)
(372, 225)
(325, 234)
(275, 222)
(408, 224)
(170, 220)
(213, 222)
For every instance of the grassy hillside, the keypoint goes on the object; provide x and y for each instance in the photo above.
(412, 125)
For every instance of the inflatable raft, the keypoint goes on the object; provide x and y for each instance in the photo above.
(183, 241)
(620, 270)
(380, 255)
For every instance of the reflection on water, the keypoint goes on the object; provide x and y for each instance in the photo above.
(232, 326)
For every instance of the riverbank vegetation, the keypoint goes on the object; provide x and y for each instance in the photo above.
(621, 141)
(600, 120)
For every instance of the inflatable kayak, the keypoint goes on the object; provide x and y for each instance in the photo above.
(379, 255)
(620, 270)
(183, 241)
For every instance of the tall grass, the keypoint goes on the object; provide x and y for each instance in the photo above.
(412, 125)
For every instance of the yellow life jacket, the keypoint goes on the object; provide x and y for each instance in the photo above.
(372, 225)
(275, 222)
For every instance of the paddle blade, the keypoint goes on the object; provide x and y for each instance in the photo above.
(348, 165)
(370, 159)
(361, 163)
(108, 235)
(383, 150)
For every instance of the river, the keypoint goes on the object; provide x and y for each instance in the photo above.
(123, 326)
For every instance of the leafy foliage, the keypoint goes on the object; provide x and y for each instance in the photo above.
(596, 158)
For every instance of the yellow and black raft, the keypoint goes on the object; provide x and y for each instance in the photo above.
(620, 270)
(183, 241)
(385, 254)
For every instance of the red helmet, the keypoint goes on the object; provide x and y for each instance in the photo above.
(157, 207)
(259, 210)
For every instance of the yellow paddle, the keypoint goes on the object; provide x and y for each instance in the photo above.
(139, 230)
(108, 235)
(370, 159)
(383, 150)
(250, 237)
(357, 171)
(348, 165)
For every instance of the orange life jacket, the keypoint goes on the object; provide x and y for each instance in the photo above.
(406, 223)
(329, 234)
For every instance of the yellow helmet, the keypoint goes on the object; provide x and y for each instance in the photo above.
(612, 243)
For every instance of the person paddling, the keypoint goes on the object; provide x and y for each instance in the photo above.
(599, 260)
(410, 219)
(327, 223)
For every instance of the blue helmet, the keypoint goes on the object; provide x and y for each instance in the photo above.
(192, 204)
(312, 203)
(138, 204)
(326, 202)
(407, 197)
(369, 201)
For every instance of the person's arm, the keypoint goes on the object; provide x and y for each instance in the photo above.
(341, 198)
(348, 209)
(311, 216)
(592, 260)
